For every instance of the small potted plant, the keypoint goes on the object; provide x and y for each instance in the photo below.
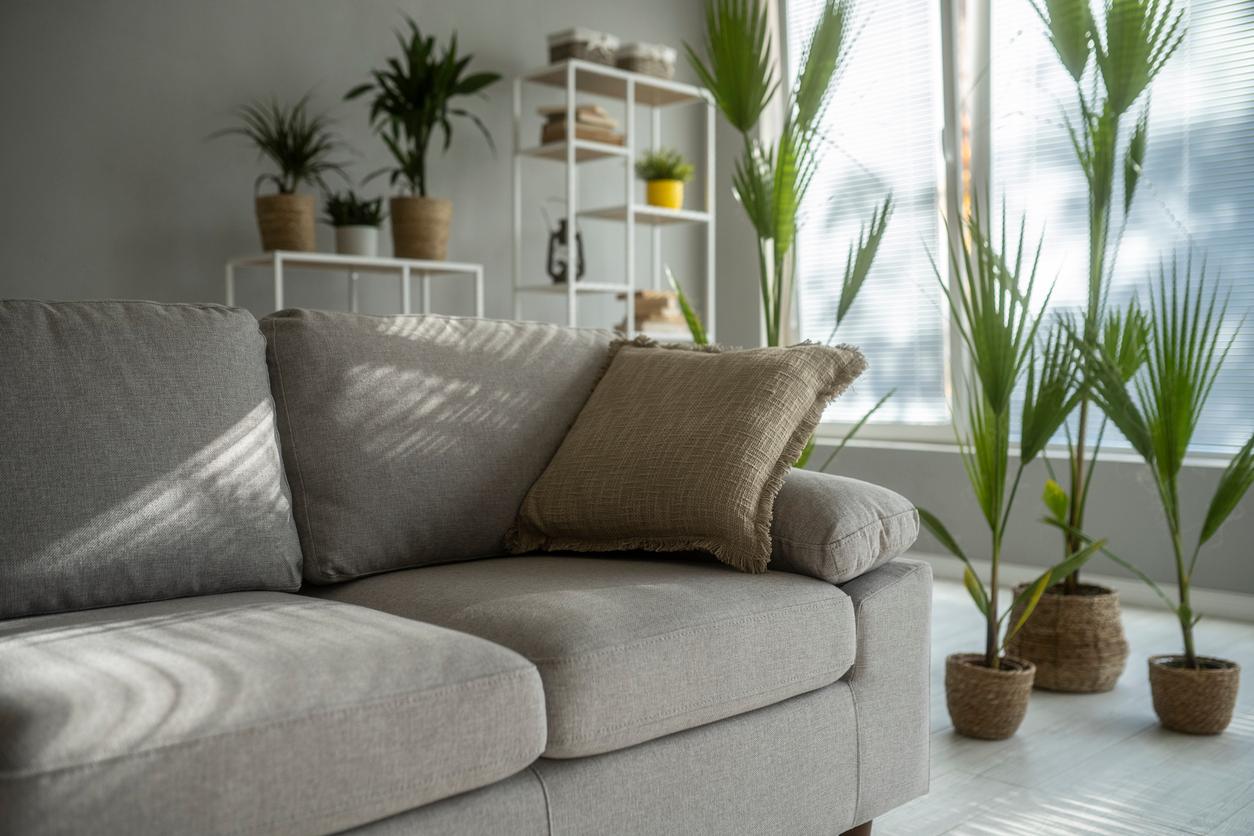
(413, 98)
(300, 145)
(356, 222)
(1158, 413)
(987, 693)
(664, 172)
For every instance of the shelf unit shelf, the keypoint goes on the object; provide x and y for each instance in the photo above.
(579, 80)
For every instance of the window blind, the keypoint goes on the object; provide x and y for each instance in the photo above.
(884, 132)
(1196, 190)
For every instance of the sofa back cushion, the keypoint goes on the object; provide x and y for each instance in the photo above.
(412, 440)
(140, 459)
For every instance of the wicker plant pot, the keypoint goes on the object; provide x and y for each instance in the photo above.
(420, 227)
(286, 222)
(985, 703)
(1076, 640)
(1194, 700)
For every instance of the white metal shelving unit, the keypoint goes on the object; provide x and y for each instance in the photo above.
(352, 267)
(634, 90)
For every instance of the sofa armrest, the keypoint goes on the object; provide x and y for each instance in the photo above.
(835, 528)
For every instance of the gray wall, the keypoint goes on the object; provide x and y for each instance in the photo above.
(113, 189)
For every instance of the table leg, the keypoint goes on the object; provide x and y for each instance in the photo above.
(278, 282)
(406, 303)
(426, 293)
(479, 292)
(230, 285)
(352, 292)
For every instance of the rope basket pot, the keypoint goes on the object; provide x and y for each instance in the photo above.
(286, 222)
(1076, 640)
(1194, 700)
(985, 703)
(420, 227)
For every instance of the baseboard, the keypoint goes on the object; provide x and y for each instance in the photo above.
(1213, 603)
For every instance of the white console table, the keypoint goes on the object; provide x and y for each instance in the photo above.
(353, 266)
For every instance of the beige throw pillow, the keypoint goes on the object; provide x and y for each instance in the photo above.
(680, 449)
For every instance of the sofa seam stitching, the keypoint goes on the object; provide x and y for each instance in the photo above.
(689, 708)
(544, 794)
(389, 702)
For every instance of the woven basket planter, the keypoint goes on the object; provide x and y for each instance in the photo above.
(985, 703)
(1194, 700)
(1076, 640)
(420, 227)
(286, 222)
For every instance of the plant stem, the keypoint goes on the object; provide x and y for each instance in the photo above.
(1185, 613)
(990, 637)
(1075, 517)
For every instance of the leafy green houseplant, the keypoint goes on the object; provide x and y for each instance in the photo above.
(665, 171)
(300, 146)
(356, 221)
(413, 100)
(771, 180)
(1112, 62)
(1158, 412)
(989, 293)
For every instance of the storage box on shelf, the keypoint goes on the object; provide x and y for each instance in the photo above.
(580, 81)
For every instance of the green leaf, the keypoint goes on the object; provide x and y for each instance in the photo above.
(738, 68)
(690, 316)
(938, 530)
(1138, 38)
(806, 452)
(1236, 480)
(860, 258)
(1055, 499)
(1075, 562)
(854, 429)
(976, 590)
(1070, 30)
(1029, 598)
(1134, 159)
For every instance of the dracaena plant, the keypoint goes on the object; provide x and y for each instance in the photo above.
(771, 180)
(1112, 60)
(990, 297)
(415, 97)
(1159, 410)
(299, 144)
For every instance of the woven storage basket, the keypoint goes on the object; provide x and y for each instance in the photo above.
(985, 703)
(420, 227)
(1194, 700)
(1076, 641)
(286, 222)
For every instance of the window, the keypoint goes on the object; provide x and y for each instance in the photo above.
(884, 128)
(1196, 190)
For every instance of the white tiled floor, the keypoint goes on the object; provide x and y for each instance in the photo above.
(1087, 763)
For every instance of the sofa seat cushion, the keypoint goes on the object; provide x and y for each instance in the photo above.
(629, 648)
(251, 712)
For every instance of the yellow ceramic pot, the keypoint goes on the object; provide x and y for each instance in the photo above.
(668, 194)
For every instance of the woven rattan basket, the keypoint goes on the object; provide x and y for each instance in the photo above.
(1194, 700)
(420, 227)
(985, 703)
(286, 222)
(1076, 640)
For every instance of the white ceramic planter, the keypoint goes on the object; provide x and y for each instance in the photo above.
(357, 240)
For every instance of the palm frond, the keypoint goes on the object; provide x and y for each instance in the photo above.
(1070, 27)
(1138, 38)
(1236, 480)
(738, 69)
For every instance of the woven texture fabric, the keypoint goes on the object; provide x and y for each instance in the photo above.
(680, 449)
(411, 440)
(253, 712)
(835, 528)
(631, 648)
(139, 458)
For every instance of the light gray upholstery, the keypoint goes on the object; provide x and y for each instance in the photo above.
(411, 440)
(891, 684)
(254, 712)
(513, 807)
(140, 459)
(836, 528)
(633, 649)
(817, 763)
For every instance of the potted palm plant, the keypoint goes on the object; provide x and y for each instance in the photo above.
(1076, 637)
(300, 145)
(770, 180)
(356, 222)
(415, 96)
(1158, 413)
(664, 171)
(990, 297)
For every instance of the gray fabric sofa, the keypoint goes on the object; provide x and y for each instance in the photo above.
(253, 580)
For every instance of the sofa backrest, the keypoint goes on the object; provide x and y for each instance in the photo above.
(412, 440)
(138, 457)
